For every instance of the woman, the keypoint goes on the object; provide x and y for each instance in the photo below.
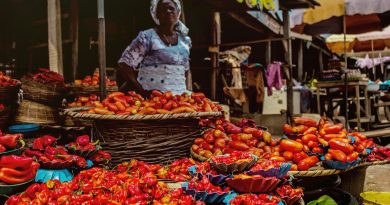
(158, 59)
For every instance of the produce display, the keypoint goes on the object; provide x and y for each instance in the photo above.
(100, 186)
(227, 137)
(6, 81)
(118, 103)
(52, 156)
(47, 77)
(92, 100)
(93, 80)
(250, 199)
(17, 170)
(2, 107)
(9, 142)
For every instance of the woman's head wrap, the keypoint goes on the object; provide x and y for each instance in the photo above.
(179, 25)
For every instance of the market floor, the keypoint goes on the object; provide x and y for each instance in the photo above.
(377, 178)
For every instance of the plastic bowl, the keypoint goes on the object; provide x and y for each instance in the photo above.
(10, 189)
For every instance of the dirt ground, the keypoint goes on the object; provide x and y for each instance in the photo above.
(378, 178)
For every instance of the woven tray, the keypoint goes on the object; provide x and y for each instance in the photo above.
(41, 93)
(9, 93)
(73, 112)
(32, 112)
(197, 156)
(77, 91)
(327, 172)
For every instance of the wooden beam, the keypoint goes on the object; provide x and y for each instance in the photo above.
(216, 41)
(268, 52)
(288, 58)
(102, 49)
(75, 37)
(300, 61)
(246, 21)
(321, 61)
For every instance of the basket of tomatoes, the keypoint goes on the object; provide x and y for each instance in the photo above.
(156, 130)
(90, 86)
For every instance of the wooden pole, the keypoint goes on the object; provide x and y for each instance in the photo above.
(74, 12)
(345, 71)
(214, 49)
(268, 52)
(54, 35)
(321, 61)
(300, 61)
(102, 49)
(288, 58)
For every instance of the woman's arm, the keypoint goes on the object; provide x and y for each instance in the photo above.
(129, 76)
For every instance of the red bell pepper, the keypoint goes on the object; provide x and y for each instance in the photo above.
(48, 140)
(14, 162)
(9, 177)
(10, 140)
(82, 140)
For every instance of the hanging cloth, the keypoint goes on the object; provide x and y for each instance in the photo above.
(274, 77)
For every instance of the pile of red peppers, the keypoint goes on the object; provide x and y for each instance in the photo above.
(16, 170)
(10, 141)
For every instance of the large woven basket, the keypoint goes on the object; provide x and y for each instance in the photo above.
(41, 93)
(77, 91)
(9, 93)
(158, 138)
(32, 112)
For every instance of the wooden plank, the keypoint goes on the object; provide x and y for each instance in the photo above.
(75, 37)
(320, 61)
(378, 133)
(382, 104)
(246, 21)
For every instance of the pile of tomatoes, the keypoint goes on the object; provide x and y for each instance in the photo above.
(119, 103)
(92, 100)
(93, 81)
(227, 137)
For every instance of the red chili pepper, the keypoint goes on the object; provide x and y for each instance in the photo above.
(13, 162)
(2, 148)
(32, 189)
(13, 200)
(37, 144)
(10, 140)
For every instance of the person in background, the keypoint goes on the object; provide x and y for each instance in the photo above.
(158, 59)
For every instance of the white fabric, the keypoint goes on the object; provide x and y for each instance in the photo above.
(296, 17)
(164, 78)
(384, 34)
(179, 25)
(369, 62)
(365, 7)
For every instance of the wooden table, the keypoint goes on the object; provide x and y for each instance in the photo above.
(357, 85)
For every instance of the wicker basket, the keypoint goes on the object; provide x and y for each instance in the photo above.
(32, 112)
(4, 118)
(41, 93)
(77, 91)
(9, 93)
(158, 138)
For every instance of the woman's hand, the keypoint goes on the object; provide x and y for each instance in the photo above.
(129, 80)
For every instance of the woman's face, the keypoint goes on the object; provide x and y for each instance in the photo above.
(167, 12)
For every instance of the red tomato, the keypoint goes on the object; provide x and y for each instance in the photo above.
(341, 145)
(338, 155)
(291, 145)
(288, 155)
